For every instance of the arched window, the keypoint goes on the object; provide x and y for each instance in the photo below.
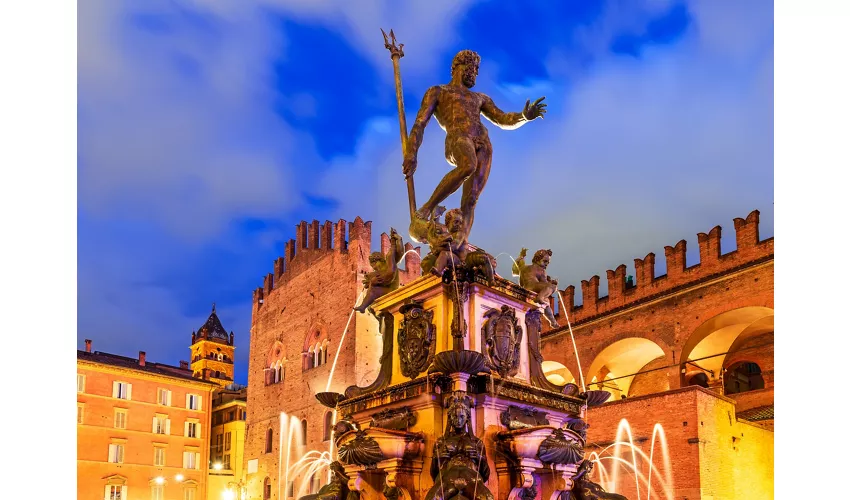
(304, 431)
(267, 488)
(700, 379)
(220, 356)
(326, 434)
(742, 377)
(311, 358)
(269, 440)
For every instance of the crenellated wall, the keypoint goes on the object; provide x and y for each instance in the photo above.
(659, 332)
(647, 286)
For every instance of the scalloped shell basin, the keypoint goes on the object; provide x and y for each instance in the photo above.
(393, 444)
(525, 443)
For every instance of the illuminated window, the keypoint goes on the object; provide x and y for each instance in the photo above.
(115, 492)
(227, 462)
(269, 440)
(267, 489)
(163, 397)
(116, 453)
(189, 493)
(192, 429)
(191, 460)
(326, 434)
(157, 492)
(159, 456)
(161, 424)
(81, 382)
(120, 418)
(122, 390)
(193, 401)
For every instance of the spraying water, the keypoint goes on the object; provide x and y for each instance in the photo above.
(572, 337)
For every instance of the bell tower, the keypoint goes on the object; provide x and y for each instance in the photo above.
(212, 352)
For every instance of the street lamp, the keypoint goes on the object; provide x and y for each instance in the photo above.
(230, 494)
(217, 466)
(159, 480)
(179, 478)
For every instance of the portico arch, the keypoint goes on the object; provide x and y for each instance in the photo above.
(615, 366)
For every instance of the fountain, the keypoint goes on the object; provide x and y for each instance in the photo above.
(460, 408)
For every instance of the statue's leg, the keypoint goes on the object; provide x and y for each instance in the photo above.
(461, 153)
(371, 296)
(474, 185)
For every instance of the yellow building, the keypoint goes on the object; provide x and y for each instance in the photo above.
(227, 443)
(212, 352)
(143, 429)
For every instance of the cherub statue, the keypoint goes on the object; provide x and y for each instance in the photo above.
(450, 248)
(384, 275)
(534, 278)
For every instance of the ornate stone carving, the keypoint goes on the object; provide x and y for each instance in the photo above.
(386, 325)
(501, 337)
(417, 337)
(398, 419)
(362, 450)
(533, 324)
(458, 292)
(517, 417)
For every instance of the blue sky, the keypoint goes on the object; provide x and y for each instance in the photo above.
(207, 129)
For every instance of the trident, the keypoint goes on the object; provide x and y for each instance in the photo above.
(396, 53)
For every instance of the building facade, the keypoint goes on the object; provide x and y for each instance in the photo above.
(298, 320)
(142, 428)
(691, 349)
(227, 442)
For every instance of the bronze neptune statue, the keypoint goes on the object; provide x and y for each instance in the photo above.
(458, 111)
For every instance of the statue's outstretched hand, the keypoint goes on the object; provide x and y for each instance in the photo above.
(536, 110)
(408, 167)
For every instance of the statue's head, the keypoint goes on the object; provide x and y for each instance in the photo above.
(459, 411)
(467, 62)
(542, 258)
(377, 261)
(454, 220)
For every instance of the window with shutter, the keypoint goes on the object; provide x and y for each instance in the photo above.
(79, 414)
(159, 456)
(81, 382)
(157, 492)
(159, 424)
(189, 494)
(227, 442)
(120, 421)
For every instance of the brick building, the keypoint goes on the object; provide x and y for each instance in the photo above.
(653, 342)
(142, 428)
(691, 350)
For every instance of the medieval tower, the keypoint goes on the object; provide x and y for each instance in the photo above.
(212, 352)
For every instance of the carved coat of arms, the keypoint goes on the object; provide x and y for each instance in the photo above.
(501, 338)
(416, 339)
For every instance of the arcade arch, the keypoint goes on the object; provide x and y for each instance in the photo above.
(723, 342)
(614, 368)
(557, 373)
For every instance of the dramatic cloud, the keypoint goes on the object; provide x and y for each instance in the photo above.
(208, 128)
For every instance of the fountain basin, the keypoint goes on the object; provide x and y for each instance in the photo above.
(544, 443)
(596, 398)
(469, 362)
(330, 399)
(370, 446)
